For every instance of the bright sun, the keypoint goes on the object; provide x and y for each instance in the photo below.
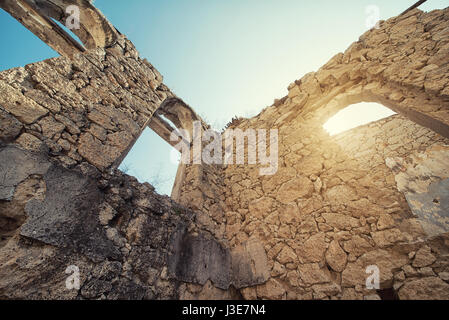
(356, 115)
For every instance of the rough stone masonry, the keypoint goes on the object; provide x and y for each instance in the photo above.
(374, 195)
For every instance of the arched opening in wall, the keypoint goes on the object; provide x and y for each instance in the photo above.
(356, 115)
(41, 18)
(152, 160)
(397, 154)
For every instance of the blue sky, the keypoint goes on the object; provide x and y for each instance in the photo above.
(222, 57)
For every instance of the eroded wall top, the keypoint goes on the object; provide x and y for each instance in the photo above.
(402, 65)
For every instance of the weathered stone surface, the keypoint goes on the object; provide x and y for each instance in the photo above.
(50, 127)
(69, 124)
(261, 208)
(423, 257)
(12, 213)
(24, 269)
(312, 274)
(125, 289)
(357, 245)
(326, 289)
(387, 261)
(283, 175)
(107, 213)
(10, 127)
(340, 195)
(351, 294)
(249, 264)
(24, 109)
(444, 276)
(387, 237)
(287, 255)
(67, 218)
(16, 166)
(431, 288)
(249, 293)
(423, 179)
(308, 225)
(340, 221)
(295, 189)
(209, 292)
(410, 271)
(44, 100)
(30, 142)
(385, 222)
(313, 249)
(336, 258)
(197, 259)
(272, 290)
(289, 213)
(98, 154)
(309, 166)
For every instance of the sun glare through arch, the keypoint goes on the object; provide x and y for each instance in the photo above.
(356, 115)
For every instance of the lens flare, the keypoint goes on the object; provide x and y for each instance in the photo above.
(356, 115)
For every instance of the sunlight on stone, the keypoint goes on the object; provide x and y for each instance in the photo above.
(356, 115)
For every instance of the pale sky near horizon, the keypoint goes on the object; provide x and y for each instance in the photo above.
(223, 58)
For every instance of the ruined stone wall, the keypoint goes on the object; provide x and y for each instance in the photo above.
(89, 108)
(402, 65)
(335, 206)
(332, 207)
(64, 123)
(203, 190)
(126, 241)
(65, 126)
(113, 229)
